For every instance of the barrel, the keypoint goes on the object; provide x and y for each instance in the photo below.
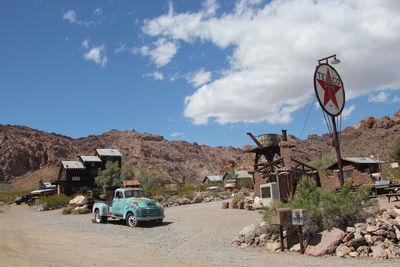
(268, 139)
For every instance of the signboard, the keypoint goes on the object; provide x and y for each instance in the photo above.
(298, 216)
(329, 89)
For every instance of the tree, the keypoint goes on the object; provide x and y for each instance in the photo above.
(230, 174)
(127, 173)
(111, 176)
(150, 180)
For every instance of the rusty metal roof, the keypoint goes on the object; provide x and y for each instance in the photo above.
(362, 160)
(213, 178)
(73, 165)
(90, 158)
(242, 174)
(109, 152)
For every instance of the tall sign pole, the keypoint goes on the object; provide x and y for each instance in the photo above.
(329, 90)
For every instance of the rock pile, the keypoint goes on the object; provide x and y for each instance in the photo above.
(378, 237)
(77, 205)
(199, 198)
(249, 202)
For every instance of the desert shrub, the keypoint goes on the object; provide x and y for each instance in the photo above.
(238, 198)
(159, 198)
(245, 183)
(54, 201)
(74, 211)
(156, 191)
(326, 209)
(150, 180)
(67, 210)
(201, 187)
(186, 190)
(322, 163)
(109, 177)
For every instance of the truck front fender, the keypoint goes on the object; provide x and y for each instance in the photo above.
(102, 207)
(132, 210)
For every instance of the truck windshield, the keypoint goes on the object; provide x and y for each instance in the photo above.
(134, 193)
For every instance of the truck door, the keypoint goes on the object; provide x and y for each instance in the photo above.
(117, 204)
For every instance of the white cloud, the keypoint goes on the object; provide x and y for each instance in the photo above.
(347, 111)
(396, 99)
(70, 16)
(275, 47)
(85, 43)
(176, 134)
(199, 78)
(161, 54)
(155, 75)
(120, 48)
(378, 98)
(98, 11)
(97, 55)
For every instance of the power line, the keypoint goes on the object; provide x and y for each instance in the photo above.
(308, 115)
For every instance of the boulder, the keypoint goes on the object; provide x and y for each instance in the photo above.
(183, 201)
(350, 230)
(274, 246)
(358, 242)
(348, 237)
(197, 199)
(78, 201)
(325, 242)
(353, 254)
(369, 240)
(249, 237)
(339, 254)
(372, 228)
(345, 250)
(295, 248)
(378, 252)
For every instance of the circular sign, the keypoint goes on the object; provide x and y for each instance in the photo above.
(329, 89)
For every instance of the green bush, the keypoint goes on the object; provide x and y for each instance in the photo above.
(326, 209)
(186, 190)
(54, 201)
(245, 183)
(150, 180)
(238, 198)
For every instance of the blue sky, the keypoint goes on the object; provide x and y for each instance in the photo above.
(199, 71)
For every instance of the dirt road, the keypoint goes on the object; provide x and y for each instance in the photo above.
(192, 235)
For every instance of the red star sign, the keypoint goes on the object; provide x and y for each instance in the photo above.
(330, 89)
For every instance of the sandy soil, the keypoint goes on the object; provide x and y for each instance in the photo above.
(192, 235)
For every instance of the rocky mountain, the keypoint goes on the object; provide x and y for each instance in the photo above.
(24, 151)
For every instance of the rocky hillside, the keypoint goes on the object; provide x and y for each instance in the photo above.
(24, 151)
(369, 137)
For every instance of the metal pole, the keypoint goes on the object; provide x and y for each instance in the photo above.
(301, 239)
(337, 148)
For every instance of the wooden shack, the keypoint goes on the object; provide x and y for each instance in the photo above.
(108, 154)
(361, 170)
(72, 178)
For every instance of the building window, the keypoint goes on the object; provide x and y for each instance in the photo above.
(266, 192)
(347, 174)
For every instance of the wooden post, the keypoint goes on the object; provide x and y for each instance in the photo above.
(337, 148)
(281, 237)
(301, 239)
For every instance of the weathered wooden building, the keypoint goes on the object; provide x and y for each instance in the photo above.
(112, 155)
(361, 170)
(78, 176)
(279, 165)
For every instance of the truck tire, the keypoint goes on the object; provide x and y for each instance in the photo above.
(131, 220)
(98, 218)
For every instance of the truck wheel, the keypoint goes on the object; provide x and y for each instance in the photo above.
(131, 220)
(98, 218)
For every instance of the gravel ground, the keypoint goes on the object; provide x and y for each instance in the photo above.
(191, 235)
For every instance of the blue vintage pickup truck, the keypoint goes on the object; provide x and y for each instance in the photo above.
(131, 205)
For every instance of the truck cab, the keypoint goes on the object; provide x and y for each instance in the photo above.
(131, 205)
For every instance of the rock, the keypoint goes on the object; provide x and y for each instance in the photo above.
(339, 254)
(378, 252)
(348, 237)
(361, 241)
(274, 246)
(78, 201)
(225, 205)
(377, 238)
(369, 240)
(82, 208)
(393, 222)
(380, 232)
(345, 250)
(357, 235)
(247, 229)
(263, 237)
(183, 201)
(197, 199)
(372, 228)
(325, 242)
(263, 223)
(353, 254)
(397, 232)
(350, 230)
(295, 248)
(392, 213)
(243, 245)
(363, 251)
(42, 207)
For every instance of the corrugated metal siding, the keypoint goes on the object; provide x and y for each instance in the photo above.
(90, 158)
(362, 160)
(109, 152)
(72, 165)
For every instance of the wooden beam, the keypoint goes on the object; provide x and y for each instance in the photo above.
(254, 139)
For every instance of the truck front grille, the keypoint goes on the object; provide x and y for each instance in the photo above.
(150, 212)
